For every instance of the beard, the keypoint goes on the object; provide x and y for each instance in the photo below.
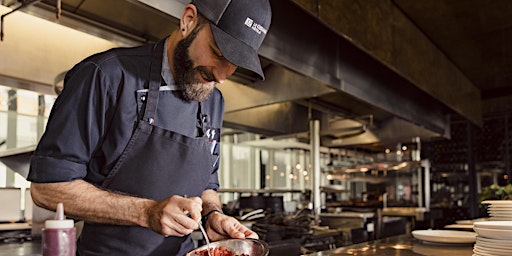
(191, 88)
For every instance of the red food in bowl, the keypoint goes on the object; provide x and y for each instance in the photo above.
(218, 251)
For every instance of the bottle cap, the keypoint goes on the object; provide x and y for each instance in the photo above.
(54, 224)
(59, 213)
(60, 220)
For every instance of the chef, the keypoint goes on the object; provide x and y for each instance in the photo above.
(132, 143)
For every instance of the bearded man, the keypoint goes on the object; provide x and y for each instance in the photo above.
(132, 143)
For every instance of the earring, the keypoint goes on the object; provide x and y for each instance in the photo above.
(183, 29)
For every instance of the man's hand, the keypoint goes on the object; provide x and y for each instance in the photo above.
(175, 216)
(220, 226)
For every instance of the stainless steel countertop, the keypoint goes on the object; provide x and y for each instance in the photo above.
(27, 248)
(258, 191)
(361, 215)
(403, 245)
(416, 212)
(16, 240)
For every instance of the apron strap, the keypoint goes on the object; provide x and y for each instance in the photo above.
(202, 119)
(155, 79)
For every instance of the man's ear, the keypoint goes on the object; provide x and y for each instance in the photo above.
(188, 19)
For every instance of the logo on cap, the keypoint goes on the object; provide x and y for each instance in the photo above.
(255, 26)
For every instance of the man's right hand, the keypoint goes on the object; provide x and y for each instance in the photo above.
(175, 216)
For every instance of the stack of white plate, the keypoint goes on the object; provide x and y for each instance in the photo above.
(499, 209)
(494, 238)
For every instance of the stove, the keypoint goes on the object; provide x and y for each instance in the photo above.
(17, 236)
(295, 234)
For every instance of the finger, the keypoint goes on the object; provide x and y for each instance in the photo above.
(243, 232)
(193, 207)
(237, 233)
(178, 225)
(185, 222)
(197, 208)
(251, 234)
(235, 229)
(197, 200)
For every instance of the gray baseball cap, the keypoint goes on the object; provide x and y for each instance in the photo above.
(238, 27)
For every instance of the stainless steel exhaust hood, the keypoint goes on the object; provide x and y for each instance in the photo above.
(312, 73)
(18, 159)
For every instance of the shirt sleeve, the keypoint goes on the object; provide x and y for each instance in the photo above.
(74, 128)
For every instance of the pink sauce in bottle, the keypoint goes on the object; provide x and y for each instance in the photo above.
(59, 235)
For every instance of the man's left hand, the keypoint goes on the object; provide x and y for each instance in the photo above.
(220, 226)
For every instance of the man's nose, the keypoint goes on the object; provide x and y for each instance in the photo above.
(225, 69)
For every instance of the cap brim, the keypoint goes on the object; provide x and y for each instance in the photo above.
(237, 52)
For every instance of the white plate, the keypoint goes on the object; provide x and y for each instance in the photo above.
(490, 252)
(502, 209)
(499, 209)
(464, 222)
(504, 213)
(493, 224)
(484, 245)
(445, 236)
(481, 253)
(500, 213)
(494, 233)
(486, 248)
(493, 251)
(435, 249)
(491, 245)
(506, 216)
(500, 218)
(470, 221)
(499, 206)
(494, 242)
(498, 202)
(459, 226)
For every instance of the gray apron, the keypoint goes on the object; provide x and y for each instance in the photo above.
(156, 164)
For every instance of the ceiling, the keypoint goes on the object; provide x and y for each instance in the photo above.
(474, 35)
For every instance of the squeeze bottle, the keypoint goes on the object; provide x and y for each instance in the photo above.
(59, 235)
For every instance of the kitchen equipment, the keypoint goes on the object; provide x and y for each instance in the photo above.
(269, 203)
(249, 246)
(253, 215)
(252, 202)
